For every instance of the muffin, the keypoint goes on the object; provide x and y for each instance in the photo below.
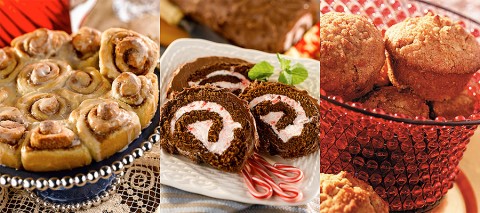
(344, 193)
(432, 56)
(393, 100)
(461, 105)
(352, 54)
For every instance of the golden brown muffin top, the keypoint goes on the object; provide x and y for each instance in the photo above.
(434, 43)
(392, 100)
(352, 53)
(344, 193)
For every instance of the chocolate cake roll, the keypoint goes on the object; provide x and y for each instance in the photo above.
(210, 125)
(267, 25)
(223, 72)
(288, 120)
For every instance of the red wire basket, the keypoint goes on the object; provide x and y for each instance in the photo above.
(410, 162)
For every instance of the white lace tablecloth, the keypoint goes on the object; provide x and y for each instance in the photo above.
(139, 192)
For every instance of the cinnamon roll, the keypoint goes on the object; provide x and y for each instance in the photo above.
(83, 49)
(8, 95)
(85, 84)
(9, 65)
(13, 131)
(126, 51)
(140, 92)
(53, 146)
(210, 125)
(43, 76)
(105, 126)
(37, 106)
(41, 43)
(287, 119)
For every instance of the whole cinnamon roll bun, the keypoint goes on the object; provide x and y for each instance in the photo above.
(83, 49)
(38, 106)
(53, 146)
(126, 51)
(13, 131)
(43, 76)
(105, 126)
(9, 65)
(140, 92)
(41, 43)
(84, 84)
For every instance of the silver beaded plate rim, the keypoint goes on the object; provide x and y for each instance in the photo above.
(81, 179)
(95, 201)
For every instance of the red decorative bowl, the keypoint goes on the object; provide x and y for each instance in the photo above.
(410, 162)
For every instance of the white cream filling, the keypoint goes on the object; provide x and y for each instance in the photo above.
(298, 30)
(272, 118)
(200, 129)
(244, 82)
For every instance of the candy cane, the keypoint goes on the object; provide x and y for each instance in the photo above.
(280, 170)
(259, 166)
(251, 185)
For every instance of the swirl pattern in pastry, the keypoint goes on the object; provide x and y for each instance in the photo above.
(140, 92)
(210, 125)
(84, 84)
(43, 76)
(39, 106)
(41, 43)
(287, 118)
(51, 146)
(9, 65)
(105, 126)
(13, 130)
(124, 50)
(223, 72)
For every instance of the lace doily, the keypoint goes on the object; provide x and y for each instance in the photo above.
(139, 191)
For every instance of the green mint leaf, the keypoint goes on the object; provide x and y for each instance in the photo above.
(261, 71)
(291, 74)
(284, 63)
(285, 78)
(299, 73)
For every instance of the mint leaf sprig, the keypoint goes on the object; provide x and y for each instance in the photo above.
(290, 75)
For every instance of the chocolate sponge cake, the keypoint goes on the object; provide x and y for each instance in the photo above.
(223, 72)
(208, 124)
(288, 120)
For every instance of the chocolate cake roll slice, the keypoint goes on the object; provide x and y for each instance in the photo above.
(210, 125)
(288, 119)
(223, 72)
(266, 25)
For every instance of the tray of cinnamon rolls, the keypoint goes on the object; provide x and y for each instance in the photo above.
(70, 104)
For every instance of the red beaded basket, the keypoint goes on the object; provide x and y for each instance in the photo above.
(410, 162)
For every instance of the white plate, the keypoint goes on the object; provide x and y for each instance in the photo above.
(181, 173)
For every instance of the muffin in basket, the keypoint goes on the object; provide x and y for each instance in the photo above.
(393, 100)
(432, 55)
(344, 193)
(352, 54)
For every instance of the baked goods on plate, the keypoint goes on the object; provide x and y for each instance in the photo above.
(183, 173)
(63, 103)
